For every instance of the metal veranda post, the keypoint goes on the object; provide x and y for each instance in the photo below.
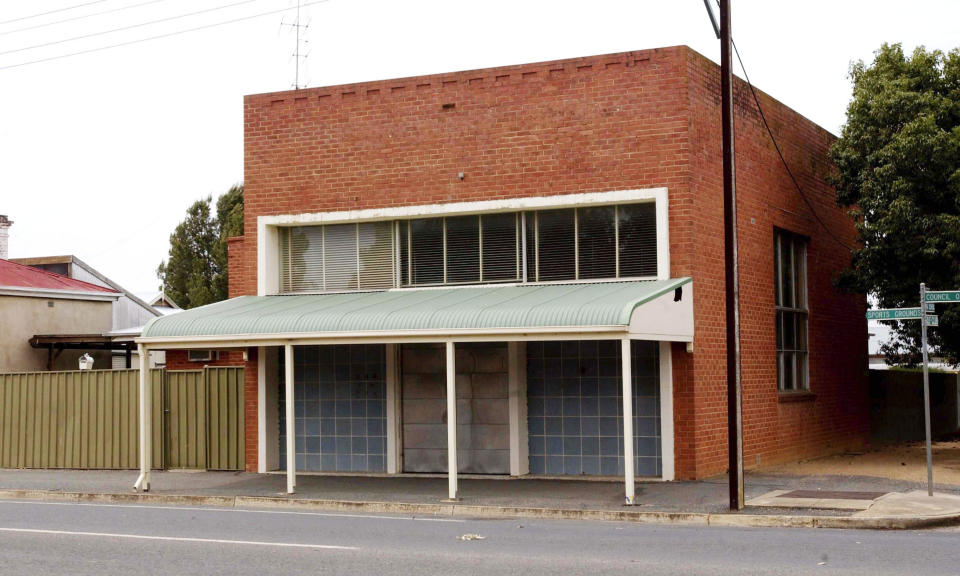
(290, 423)
(627, 376)
(451, 421)
(145, 413)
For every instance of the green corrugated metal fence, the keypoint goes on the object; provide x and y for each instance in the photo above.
(225, 438)
(90, 419)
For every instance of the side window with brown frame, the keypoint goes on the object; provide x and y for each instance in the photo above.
(790, 283)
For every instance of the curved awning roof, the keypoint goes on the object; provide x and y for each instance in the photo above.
(632, 307)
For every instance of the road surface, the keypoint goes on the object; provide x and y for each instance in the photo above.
(108, 539)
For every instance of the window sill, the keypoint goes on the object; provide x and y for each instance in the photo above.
(797, 396)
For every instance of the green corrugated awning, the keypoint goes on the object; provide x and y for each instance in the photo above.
(487, 309)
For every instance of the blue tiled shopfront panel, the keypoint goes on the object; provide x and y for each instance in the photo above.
(575, 415)
(339, 409)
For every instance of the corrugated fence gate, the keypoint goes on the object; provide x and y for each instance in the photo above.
(89, 419)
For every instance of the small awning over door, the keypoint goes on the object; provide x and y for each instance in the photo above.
(648, 310)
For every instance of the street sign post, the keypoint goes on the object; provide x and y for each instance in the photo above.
(926, 313)
(926, 387)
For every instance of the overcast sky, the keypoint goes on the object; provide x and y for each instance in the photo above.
(101, 153)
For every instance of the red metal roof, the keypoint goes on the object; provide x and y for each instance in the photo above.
(20, 276)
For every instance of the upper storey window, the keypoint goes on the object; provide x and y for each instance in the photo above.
(480, 248)
(592, 243)
(588, 243)
(337, 257)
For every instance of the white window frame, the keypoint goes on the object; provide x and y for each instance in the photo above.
(268, 248)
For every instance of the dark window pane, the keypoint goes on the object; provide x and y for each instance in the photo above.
(777, 280)
(789, 331)
(500, 250)
(788, 379)
(638, 239)
(340, 257)
(426, 262)
(556, 245)
(404, 253)
(800, 273)
(786, 263)
(597, 242)
(531, 246)
(463, 249)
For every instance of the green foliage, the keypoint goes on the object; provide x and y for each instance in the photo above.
(195, 272)
(898, 161)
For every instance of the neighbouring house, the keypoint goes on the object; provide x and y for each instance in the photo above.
(130, 313)
(493, 260)
(162, 303)
(36, 302)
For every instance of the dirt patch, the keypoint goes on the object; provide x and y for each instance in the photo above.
(897, 461)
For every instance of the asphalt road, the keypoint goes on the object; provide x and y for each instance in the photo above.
(107, 539)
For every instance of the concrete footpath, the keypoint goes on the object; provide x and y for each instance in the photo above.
(773, 500)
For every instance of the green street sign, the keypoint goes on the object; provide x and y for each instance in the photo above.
(933, 320)
(894, 314)
(942, 296)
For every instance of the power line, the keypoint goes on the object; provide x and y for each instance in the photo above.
(52, 12)
(55, 22)
(130, 27)
(776, 146)
(157, 37)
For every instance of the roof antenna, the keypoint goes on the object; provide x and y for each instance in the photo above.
(298, 54)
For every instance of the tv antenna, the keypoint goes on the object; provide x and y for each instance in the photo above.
(299, 52)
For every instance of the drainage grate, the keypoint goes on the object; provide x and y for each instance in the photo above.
(832, 495)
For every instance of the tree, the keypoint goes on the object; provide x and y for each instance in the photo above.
(898, 173)
(195, 272)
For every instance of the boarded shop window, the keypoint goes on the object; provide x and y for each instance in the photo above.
(790, 272)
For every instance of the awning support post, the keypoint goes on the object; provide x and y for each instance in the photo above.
(451, 422)
(146, 426)
(290, 423)
(627, 421)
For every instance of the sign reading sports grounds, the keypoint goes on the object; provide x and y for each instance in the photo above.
(894, 314)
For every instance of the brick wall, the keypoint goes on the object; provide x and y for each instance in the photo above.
(240, 270)
(623, 121)
(835, 415)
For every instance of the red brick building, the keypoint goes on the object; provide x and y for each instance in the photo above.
(603, 132)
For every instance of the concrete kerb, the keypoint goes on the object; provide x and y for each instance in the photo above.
(494, 512)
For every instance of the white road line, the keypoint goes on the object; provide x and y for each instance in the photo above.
(239, 510)
(177, 539)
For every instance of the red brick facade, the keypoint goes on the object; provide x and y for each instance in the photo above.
(623, 121)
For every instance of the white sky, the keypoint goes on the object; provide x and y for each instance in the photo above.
(102, 153)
